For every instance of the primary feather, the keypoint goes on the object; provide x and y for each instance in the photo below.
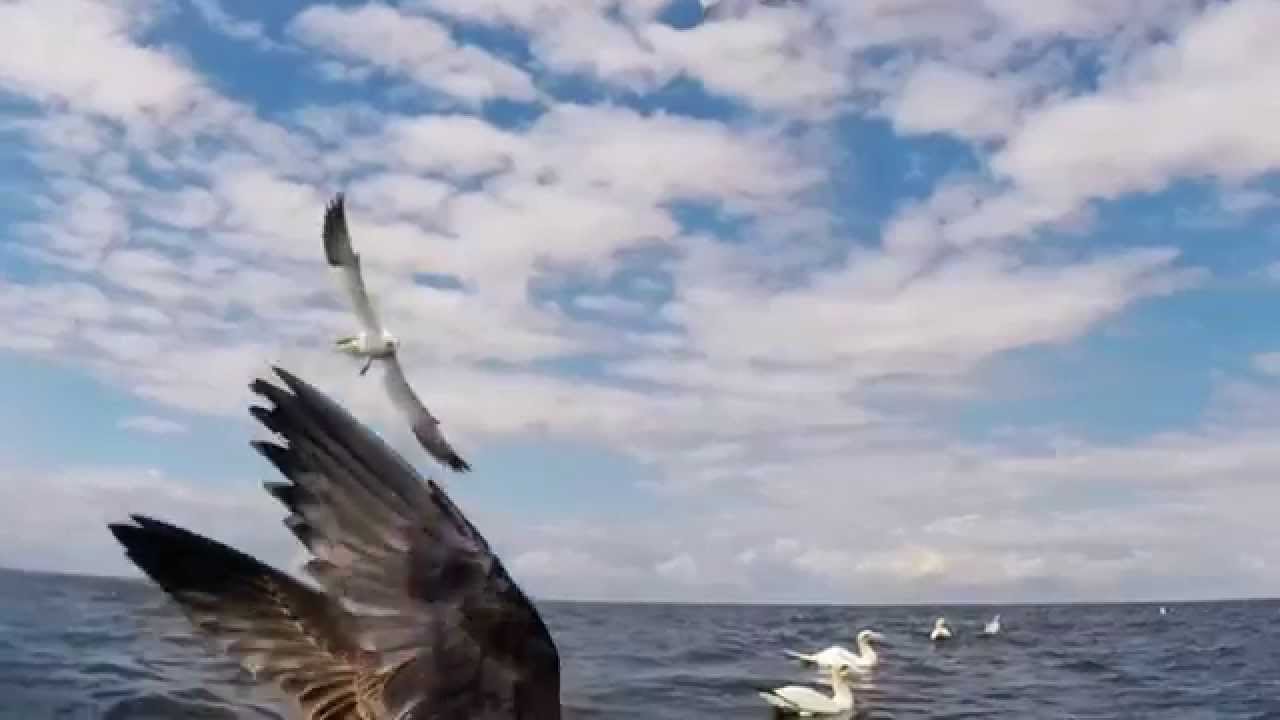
(416, 618)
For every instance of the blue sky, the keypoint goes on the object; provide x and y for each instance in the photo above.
(855, 302)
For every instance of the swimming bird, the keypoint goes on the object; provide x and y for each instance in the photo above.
(940, 630)
(807, 702)
(861, 661)
(415, 617)
(993, 626)
(375, 342)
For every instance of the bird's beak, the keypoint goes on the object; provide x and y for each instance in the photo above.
(347, 343)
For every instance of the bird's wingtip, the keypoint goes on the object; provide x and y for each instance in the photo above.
(292, 381)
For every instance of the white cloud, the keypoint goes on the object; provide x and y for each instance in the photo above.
(90, 36)
(61, 521)
(414, 46)
(682, 569)
(786, 375)
(152, 424)
(252, 32)
(943, 98)
(1267, 363)
(774, 58)
(1158, 118)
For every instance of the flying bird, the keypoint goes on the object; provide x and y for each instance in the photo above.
(375, 342)
(415, 618)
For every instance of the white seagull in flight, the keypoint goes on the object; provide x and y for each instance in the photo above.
(374, 342)
(413, 616)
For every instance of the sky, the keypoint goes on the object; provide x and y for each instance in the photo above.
(886, 301)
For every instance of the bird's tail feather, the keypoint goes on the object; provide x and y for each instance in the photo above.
(769, 697)
(800, 656)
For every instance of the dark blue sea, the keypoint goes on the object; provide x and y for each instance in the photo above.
(79, 648)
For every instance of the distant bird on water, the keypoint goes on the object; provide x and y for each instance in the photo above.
(416, 618)
(940, 630)
(864, 660)
(375, 342)
(992, 627)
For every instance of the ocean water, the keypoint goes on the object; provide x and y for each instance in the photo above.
(80, 648)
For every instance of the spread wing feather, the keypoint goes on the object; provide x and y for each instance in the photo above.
(425, 426)
(417, 618)
(277, 628)
(345, 262)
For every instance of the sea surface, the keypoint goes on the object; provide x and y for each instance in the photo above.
(79, 648)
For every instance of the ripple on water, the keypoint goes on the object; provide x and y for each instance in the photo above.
(85, 649)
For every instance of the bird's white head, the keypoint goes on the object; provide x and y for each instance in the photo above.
(940, 622)
(869, 635)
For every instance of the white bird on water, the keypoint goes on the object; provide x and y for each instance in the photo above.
(807, 702)
(375, 342)
(861, 661)
(940, 630)
(993, 626)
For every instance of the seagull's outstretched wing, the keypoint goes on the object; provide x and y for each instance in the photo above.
(425, 426)
(343, 259)
(417, 618)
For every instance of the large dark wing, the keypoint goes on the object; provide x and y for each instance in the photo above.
(343, 259)
(427, 597)
(279, 629)
(425, 425)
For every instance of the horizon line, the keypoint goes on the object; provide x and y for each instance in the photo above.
(142, 580)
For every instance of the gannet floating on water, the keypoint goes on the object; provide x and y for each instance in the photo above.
(807, 702)
(375, 342)
(940, 630)
(865, 659)
(993, 626)
(416, 617)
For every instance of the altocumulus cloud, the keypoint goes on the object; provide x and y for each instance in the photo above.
(906, 271)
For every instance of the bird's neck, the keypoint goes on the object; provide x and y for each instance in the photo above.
(865, 649)
(842, 694)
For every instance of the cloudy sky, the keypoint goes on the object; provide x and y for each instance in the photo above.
(863, 302)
